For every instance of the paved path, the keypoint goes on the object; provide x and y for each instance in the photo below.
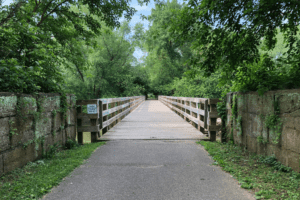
(150, 169)
(153, 120)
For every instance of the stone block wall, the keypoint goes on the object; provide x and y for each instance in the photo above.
(254, 111)
(29, 125)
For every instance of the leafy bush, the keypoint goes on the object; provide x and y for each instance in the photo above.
(272, 161)
(70, 144)
(264, 76)
(198, 86)
(52, 151)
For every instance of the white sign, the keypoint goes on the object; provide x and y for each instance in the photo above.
(92, 109)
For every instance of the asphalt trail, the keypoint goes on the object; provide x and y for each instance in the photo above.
(149, 169)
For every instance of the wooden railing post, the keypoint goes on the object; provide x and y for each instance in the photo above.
(105, 107)
(79, 123)
(119, 111)
(100, 119)
(94, 134)
(112, 105)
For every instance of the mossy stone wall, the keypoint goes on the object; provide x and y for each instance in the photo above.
(256, 135)
(30, 124)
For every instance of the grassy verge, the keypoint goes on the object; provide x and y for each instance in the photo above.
(37, 178)
(263, 176)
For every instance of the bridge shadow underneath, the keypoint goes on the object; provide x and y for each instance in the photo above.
(152, 120)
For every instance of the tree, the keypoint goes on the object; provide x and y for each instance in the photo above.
(165, 59)
(235, 45)
(29, 59)
(109, 73)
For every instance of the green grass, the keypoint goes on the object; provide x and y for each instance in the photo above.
(38, 178)
(262, 176)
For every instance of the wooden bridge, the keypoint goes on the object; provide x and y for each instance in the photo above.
(168, 118)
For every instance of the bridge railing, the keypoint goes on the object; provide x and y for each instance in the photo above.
(102, 114)
(200, 112)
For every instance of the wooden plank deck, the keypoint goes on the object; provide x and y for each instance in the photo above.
(153, 120)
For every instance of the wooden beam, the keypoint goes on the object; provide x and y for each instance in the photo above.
(85, 116)
(85, 102)
(88, 128)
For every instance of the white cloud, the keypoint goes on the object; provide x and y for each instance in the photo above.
(141, 8)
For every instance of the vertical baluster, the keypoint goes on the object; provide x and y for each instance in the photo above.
(100, 118)
(105, 106)
(79, 123)
(213, 122)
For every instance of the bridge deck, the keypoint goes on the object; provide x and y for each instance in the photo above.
(153, 120)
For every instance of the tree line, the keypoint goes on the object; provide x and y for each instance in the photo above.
(198, 49)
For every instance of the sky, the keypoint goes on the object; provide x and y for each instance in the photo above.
(145, 10)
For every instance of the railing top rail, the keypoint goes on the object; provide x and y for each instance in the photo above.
(194, 99)
(106, 100)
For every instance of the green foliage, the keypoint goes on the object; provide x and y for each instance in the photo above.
(40, 110)
(20, 108)
(70, 144)
(110, 72)
(261, 140)
(12, 131)
(25, 145)
(165, 60)
(272, 161)
(234, 107)
(222, 110)
(63, 105)
(266, 175)
(237, 49)
(198, 86)
(273, 123)
(32, 47)
(53, 149)
(239, 125)
(151, 96)
(261, 77)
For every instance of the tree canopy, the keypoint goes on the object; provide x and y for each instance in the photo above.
(38, 36)
(202, 48)
(233, 46)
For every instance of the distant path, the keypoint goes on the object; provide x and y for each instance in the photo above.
(153, 120)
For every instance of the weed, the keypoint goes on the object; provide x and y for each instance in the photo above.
(272, 161)
(70, 144)
(52, 151)
(12, 130)
(261, 140)
(239, 125)
(25, 145)
(273, 122)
